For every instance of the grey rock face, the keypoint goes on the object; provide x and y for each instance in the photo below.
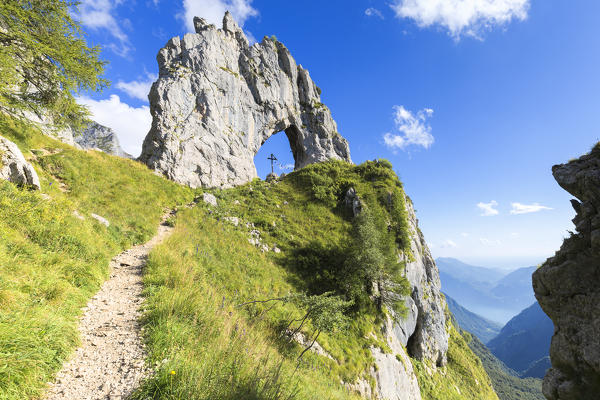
(430, 339)
(47, 127)
(96, 136)
(567, 287)
(352, 201)
(217, 100)
(14, 167)
(394, 376)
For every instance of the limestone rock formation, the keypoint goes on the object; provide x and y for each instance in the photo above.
(96, 136)
(567, 287)
(394, 376)
(14, 167)
(48, 128)
(422, 331)
(217, 100)
(429, 340)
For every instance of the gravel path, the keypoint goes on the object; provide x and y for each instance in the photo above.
(109, 364)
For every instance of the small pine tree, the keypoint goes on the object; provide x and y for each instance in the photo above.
(373, 265)
(44, 59)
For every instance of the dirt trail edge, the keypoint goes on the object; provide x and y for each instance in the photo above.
(110, 363)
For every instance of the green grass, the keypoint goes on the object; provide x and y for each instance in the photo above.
(193, 327)
(464, 378)
(198, 277)
(51, 262)
(201, 343)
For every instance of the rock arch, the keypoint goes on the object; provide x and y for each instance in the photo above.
(217, 100)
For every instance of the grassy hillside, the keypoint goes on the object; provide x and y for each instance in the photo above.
(52, 262)
(206, 346)
(506, 382)
(203, 342)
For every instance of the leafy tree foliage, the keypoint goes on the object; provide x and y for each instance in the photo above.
(373, 266)
(324, 311)
(44, 59)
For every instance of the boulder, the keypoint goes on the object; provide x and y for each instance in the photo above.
(100, 219)
(217, 100)
(209, 199)
(14, 167)
(567, 288)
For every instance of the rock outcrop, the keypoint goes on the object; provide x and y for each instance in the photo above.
(96, 136)
(429, 340)
(394, 376)
(422, 333)
(217, 100)
(47, 127)
(14, 167)
(567, 287)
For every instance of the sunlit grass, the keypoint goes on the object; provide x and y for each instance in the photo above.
(51, 262)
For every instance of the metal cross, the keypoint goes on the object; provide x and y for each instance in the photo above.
(272, 158)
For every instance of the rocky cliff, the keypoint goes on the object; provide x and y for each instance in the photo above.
(96, 136)
(217, 100)
(422, 333)
(567, 287)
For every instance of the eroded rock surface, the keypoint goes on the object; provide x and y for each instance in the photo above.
(217, 100)
(567, 287)
(422, 333)
(394, 376)
(14, 167)
(429, 340)
(96, 136)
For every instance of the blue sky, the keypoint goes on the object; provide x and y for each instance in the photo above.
(473, 101)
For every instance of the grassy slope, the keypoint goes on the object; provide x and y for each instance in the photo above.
(200, 340)
(51, 263)
(506, 382)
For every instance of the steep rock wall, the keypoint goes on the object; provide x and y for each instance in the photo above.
(217, 100)
(429, 338)
(567, 287)
(421, 334)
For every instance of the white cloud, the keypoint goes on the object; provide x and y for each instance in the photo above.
(448, 244)
(285, 167)
(488, 208)
(214, 10)
(412, 127)
(488, 242)
(373, 12)
(138, 89)
(462, 17)
(518, 208)
(464, 234)
(99, 14)
(131, 124)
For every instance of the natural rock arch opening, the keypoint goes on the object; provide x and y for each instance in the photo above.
(277, 144)
(286, 145)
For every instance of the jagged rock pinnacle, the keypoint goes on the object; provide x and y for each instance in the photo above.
(217, 100)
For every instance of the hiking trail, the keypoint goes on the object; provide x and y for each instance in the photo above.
(110, 362)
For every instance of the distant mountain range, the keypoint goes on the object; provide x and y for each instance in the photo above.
(524, 342)
(481, 327)
(489, 292)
